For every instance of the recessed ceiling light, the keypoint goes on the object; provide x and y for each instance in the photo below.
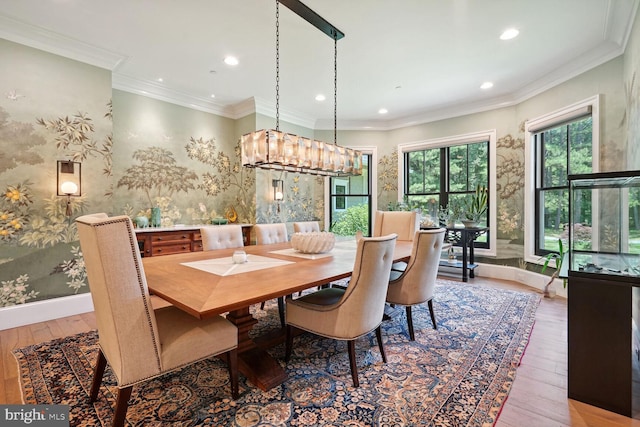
(486, 85)
(509, 33)
(159, 79)
(231, 60)
(213, 95)
(320, 97)
(383, 111)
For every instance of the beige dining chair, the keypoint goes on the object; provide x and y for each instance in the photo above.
(268, 234)
(403, 223)
(306, 226)
(415, 285)
(222, 237)
(348, 313)
(138, 342)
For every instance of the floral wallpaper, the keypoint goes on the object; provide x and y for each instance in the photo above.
(510, 186)
(388, 179)
(42, 121)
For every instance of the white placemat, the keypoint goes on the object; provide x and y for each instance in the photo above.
(226, 267)
(340, 248)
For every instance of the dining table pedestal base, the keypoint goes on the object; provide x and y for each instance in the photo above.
(254, 362)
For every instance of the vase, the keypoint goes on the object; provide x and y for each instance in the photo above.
(470, 224)
(156, 217)
(142, 221)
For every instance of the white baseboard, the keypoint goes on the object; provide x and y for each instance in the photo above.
(41, 311)
(528, 278)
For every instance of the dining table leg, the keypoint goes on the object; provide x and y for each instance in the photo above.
(253, 361)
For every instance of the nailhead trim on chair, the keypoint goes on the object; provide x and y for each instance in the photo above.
(147, 304)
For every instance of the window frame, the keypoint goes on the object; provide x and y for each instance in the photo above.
(372, 152)
(534, 126)
(480, 136)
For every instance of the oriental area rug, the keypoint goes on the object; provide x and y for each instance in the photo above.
(457, 375)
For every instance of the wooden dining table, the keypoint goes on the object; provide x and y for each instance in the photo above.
(208, 283)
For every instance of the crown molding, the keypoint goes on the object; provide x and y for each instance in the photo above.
(153, 90)
(268, 108)
(30, 35)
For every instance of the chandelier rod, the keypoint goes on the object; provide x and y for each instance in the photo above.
(303, 11)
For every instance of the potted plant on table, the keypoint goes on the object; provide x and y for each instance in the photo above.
(475, 207)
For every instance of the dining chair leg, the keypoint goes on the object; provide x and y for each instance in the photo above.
(288, 343)
(351, 345)
(122, 404)
(98, 372)
(232, 365)
(380, 343)
(433, 316)
(281, 310)
(412, 336)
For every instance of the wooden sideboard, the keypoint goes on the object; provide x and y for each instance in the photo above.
(174, 240)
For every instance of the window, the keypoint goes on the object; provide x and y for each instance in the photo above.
(445, 171)
(446, 176)
(561, 143)
(561, 151)
(350, 202)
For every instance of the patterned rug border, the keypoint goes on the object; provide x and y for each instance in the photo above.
(319, 391)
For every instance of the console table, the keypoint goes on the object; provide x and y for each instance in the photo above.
(156, 241)
(465, 236)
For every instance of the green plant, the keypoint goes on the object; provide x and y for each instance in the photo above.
(355, 218)
(558, 257)
(476, 205)
(449, 214)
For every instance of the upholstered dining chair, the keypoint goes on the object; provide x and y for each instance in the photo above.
(352, 312)
(140, 343)
(222, 237)
(306, 226)
(268, 234)
(415, 285)
(403, 223)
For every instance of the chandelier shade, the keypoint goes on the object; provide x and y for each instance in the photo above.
(273, 149)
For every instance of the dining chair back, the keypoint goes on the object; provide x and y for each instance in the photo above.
(417, 283)
(222, 237)
(306, 227)
(403, 223)
(267, 234)
(138, 342)
(351, 312)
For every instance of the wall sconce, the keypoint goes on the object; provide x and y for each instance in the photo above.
(68, 182)
(278, 192)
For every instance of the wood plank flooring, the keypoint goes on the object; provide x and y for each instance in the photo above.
(538, 397)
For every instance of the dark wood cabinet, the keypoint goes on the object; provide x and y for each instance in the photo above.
(603, 365)
(175, 240)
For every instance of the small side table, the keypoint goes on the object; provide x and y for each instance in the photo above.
(465, 236)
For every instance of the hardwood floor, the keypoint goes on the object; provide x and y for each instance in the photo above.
(537, 397)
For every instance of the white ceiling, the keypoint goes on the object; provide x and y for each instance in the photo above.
(421, 59)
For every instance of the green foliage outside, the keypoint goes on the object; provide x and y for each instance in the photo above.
(467, 167)
(355, 218)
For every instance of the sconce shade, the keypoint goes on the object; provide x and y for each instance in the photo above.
(278, 190)
(68, 187)
(68, 178)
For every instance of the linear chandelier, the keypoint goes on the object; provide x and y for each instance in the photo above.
(273, 149)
